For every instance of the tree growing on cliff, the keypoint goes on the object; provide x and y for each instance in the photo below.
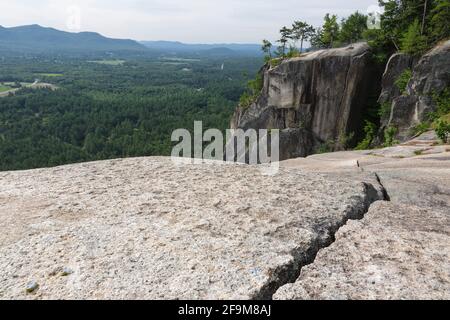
(353, 28)
(440, 20)
(267, 48)
(316, 39)
(302, 31)
(286, 35)
(330, 30)
(399, 15)
(413, 42)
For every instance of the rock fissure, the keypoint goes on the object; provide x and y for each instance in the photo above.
(289, 273)
(385, 193)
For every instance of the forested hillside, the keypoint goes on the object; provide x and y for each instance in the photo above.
(35, 38)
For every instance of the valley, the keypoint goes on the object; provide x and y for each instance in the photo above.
(111, 107)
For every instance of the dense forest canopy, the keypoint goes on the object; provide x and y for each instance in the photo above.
(111, 108)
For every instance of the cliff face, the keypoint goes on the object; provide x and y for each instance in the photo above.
(396, 65)
(314, 99)
(430, 75)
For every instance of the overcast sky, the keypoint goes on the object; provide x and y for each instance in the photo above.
(192, 21)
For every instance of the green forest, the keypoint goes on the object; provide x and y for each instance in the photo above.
(111, 108)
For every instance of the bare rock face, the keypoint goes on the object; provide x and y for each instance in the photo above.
(431, 75)
(401, 248)
(396, 252)
(149, 229)
(396, 65)
(322, 93)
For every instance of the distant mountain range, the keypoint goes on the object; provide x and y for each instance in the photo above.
(176, 47)
(42, 40)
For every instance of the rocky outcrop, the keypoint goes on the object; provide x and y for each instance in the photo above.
(431, 75)
(151, 229)
(401, 248)
(323, 93)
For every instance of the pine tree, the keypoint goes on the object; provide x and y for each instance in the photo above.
(267, 48)
(316, 39)
(440, 20)
(286, 34)
(399, 15)
(413, 42)
(330, 30)
(301, 31)
(353, 27)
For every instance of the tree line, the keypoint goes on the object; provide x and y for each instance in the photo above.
(410, 26)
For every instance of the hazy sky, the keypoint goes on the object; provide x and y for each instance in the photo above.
(193, 21)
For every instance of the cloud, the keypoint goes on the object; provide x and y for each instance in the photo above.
(205, 21)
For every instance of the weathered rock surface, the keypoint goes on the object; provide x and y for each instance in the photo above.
(415, 173)
(400, 249)
(396, 65)
(431, 75)
(395, 252)
(148, 229)
(323, 93)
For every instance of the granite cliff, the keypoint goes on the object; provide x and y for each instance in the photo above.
(315, 99)
(321, 98)
(430, 77)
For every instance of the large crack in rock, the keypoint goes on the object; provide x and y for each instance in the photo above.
(289, 273)
(397, 252)
(385, 193)
(401, 248)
